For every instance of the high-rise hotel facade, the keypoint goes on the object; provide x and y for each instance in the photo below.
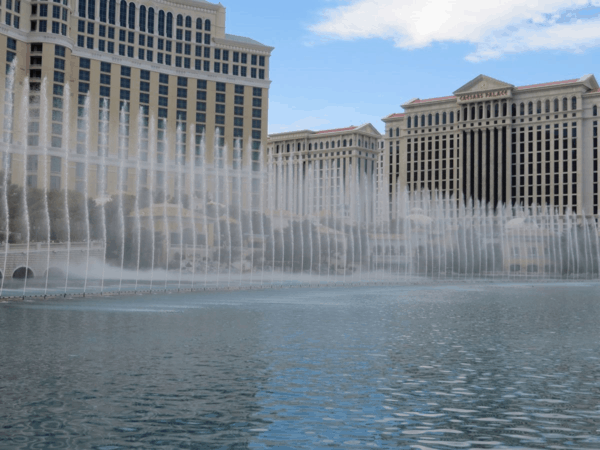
(493, 142)
(171, 61)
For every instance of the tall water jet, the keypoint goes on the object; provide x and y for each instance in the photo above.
(136, 206)
(66, 136)
(6, 156)
(192, 193)
(44, 144)
(87, 146)
(165, 187)
(179, 161)
(102, 170)
(24, 122)
(152, 154)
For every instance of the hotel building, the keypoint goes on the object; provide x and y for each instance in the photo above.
(169, 60)
(493, 142)
(328, 165)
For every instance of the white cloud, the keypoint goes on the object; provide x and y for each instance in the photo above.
(496, 27)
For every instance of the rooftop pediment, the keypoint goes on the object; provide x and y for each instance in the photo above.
(482, 83)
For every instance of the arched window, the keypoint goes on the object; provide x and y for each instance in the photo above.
(112, 12)
(350, 142)
(397, 131)
(327, 145)
(457, 116)
(391, 132)
(151, 20)
(565, 103)
(422, 120)
(92, 9)
(299, 146)
(504, 109)
(198, 23)
(345, 142)
(530, 108)
(207, 25)
(288, 148)
(547, 106)
(132, 16)
(573, 102)
(338, 144)
(452, 116)
(465, 113)
(437, 118)
(309, 146)
(595, 110)
(556, 105)
(472, 112)
(481, 111)
(123, 14)
(82, 7)
(359, 142)
(429, 119)
(321, 146)
(488, 111)
(142, 18)
(179, 20)
(188, 22)
(496, 109)
(276, 147)
(169, 25)
(539, 107)
(161, 23)
(522, 109)
(103, 10)
(408, 121)
(416, 121)
(444, 118)
(514, 109)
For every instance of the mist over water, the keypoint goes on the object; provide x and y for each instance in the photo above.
(481, 366)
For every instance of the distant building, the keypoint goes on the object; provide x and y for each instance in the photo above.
(326, 166)
(493, 142)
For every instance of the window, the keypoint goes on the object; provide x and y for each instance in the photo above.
(574, 103)
(207, 25)
(132, 16)
(142, 21)
(161, 25)
(169, 25)
(150, 22)
(112, 6)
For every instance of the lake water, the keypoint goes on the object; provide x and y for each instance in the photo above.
(478, 366)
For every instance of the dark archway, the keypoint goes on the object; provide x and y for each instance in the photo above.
(22, 272)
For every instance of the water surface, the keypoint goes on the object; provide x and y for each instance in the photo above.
(441, 367)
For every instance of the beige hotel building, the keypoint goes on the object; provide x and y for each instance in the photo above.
(493, 142)
(335, 162)
(168, 60)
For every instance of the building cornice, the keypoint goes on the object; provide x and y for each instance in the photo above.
(236, 45)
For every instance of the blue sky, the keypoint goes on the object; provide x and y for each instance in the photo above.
(339, 63)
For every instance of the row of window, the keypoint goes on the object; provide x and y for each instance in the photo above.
(146, 20)
(489, 111)
(184, 62)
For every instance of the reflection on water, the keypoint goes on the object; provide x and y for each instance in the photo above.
(483, 366)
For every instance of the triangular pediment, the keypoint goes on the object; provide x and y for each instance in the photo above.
(369, 128)
(482, 83)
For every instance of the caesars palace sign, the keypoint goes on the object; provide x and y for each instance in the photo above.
(490, 95)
